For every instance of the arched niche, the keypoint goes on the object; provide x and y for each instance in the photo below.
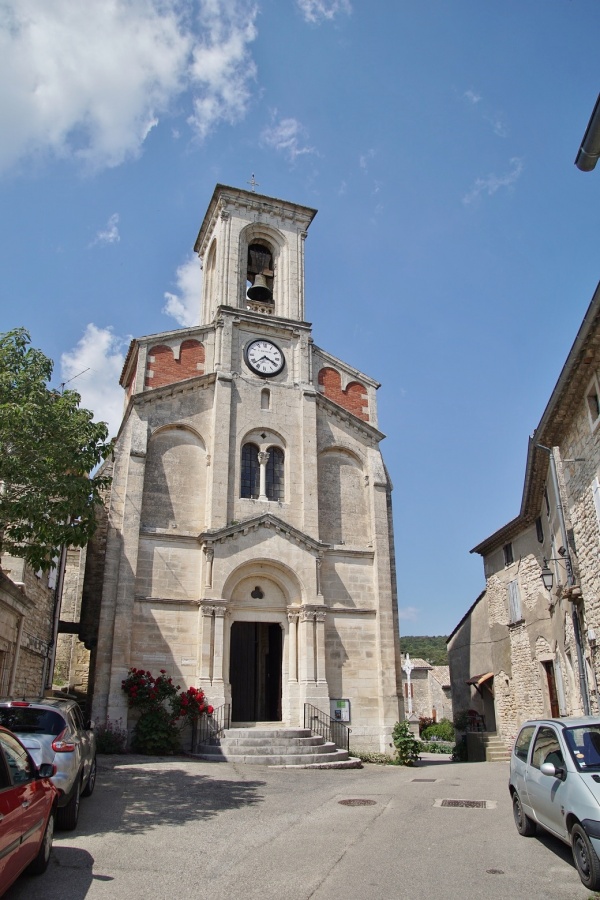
(253, 237)
(343, 517)
(279, 585)
(175, 480)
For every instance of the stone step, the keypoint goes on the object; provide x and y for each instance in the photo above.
(268, 733)
(275, 748)
(281, 747)
(299, 743)
(301, 760)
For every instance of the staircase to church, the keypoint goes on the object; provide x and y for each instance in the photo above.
(283, 747)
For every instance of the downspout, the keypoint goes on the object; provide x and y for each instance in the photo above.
(583, 687)
(15, 663)
(60, 579)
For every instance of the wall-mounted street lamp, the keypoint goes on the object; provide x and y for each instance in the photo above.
(547, 576)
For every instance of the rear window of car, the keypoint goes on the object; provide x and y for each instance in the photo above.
(523, 741)
(28, 720)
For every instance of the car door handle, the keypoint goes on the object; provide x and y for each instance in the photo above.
(25, 803)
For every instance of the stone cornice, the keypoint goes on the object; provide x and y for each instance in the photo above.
(356, 373)
(276, 324)
(269, 521)
(348, 551)
(178, 387)
(349, 418)
(225, 198)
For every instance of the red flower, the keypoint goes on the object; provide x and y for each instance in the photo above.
(210, 710)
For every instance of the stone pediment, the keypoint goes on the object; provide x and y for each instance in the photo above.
(266, 521)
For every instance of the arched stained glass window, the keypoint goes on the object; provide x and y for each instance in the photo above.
(274, 473)
(250, 471)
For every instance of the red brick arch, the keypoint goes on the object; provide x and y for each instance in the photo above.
(354, 397)
(162, 367)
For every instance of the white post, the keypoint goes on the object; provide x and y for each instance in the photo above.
(407, 668)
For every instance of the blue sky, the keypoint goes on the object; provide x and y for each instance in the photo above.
(456, 246)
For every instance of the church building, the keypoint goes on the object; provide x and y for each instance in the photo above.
(249, 548)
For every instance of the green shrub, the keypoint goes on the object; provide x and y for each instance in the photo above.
(111, 737)
(437, 747)
(156, 734)
(443, 730)
(369, 756)
(407, 745)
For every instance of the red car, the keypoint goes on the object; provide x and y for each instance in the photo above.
(27, 808)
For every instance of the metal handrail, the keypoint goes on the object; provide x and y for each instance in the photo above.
(209, 728)
(329, 729)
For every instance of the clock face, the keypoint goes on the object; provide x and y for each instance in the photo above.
(264, 357)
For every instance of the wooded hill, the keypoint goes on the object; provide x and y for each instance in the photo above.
(428, 647)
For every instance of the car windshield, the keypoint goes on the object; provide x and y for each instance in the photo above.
(584, 744)
(28, 720)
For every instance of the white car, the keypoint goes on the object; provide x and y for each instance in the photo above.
(555, 783)
(54, 731)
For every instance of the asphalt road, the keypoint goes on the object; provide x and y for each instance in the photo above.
(178, 828)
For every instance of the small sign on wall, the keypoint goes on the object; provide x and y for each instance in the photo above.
(340, 710)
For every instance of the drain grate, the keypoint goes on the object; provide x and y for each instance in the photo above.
(356, 802)
(432, 780)
(494, 871)
(464, 804)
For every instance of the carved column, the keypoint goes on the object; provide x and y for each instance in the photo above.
(263, 459)
(320, 642)
(307, 645)
(206, 611)
(319, 563)
(219, 650)
(293, 643)
(210, 555)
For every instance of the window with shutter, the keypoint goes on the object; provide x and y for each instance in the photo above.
(514, 602)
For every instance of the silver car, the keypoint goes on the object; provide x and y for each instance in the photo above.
(555, 783)
(54, 731)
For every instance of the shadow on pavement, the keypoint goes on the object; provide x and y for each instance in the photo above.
(141, 798)
(71, 866)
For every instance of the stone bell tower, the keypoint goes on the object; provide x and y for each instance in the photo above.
(250, 547)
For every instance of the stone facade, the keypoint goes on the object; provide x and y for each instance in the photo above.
(430, 689)
(26, 628)
(540, 645)
(249, 547)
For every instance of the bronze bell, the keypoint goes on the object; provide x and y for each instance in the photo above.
(260, 291)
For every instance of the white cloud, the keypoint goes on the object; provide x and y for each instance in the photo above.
(184, 306)
(90, 81)
(408, 613)
(287, 136)
(93, 368)
(363, 160)
(472, 97)
(323, 10)
(498, 125)
(110, 234)
(492, 183)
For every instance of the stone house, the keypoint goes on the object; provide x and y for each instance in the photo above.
(26, 628)
(430, 690)
(249, 548)
(523, 651)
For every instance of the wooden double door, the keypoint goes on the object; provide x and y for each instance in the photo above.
(255, 655)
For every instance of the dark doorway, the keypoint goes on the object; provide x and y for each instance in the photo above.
(551, 679)
(255, 671)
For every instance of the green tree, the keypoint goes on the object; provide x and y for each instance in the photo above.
(48, 448)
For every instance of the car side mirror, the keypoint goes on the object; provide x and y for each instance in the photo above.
(47, 770)
(553, 771)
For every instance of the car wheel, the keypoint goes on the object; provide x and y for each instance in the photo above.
(91, 782)
(525, 825)
(586, 860)
(67, 816)
(40, 863)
